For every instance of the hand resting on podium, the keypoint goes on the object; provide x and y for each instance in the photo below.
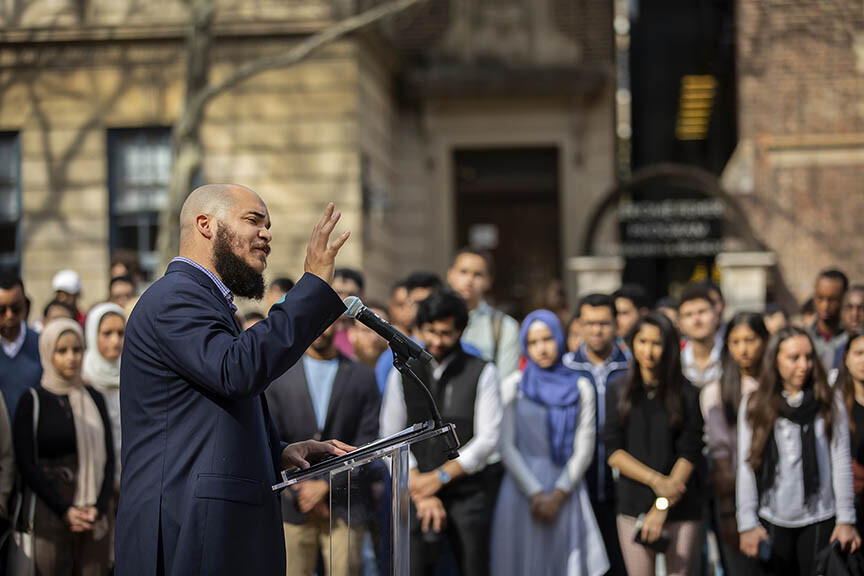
(299, 454)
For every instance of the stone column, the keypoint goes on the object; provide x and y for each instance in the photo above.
(744, 279)
(589, 274)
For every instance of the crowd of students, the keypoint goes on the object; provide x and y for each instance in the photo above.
(590, 444)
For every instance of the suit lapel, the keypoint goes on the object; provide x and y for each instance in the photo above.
(272, 436)
(206, 282)
(340, 384)
(306, 409)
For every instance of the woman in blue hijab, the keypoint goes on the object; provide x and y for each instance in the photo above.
(544, 524)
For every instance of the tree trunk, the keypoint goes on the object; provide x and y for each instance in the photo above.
(188, 152)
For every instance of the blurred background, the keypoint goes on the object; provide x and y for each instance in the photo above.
(583, 142)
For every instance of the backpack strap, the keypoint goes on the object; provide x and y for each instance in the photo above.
(31, 510)
(497, 321)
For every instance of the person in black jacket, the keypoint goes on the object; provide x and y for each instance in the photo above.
(654, 438)
(326, 395)
(200, 450)
(69, 464)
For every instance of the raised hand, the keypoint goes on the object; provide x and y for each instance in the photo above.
(320, 252)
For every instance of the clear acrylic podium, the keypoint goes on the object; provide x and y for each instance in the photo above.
(369, 495)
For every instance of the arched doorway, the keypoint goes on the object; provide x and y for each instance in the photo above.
(669, 225)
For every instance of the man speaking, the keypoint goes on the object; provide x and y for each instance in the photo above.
(200, 451)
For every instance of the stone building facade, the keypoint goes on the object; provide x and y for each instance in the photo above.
(412, 129)
(374, 122)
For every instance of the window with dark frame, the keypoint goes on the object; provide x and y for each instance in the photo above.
(139, 174)
(10, 201)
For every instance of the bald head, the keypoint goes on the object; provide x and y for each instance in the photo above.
(226, 227)
(213, 200)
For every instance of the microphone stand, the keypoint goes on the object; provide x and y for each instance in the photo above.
(400, 362)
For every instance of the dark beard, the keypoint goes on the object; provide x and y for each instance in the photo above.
(323, 343)
(448, 352)
(240, 278)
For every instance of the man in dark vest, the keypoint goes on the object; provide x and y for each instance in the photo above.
(448, 496)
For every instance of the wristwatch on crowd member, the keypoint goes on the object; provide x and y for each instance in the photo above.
(661, 504)
(443, 476)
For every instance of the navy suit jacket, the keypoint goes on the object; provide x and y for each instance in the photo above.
(200, 451)
(352, 416)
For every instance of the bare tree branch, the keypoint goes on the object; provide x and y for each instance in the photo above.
(302, 50)
(188, 150)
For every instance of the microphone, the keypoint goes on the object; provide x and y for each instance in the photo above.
(403, 350)
(399, 342)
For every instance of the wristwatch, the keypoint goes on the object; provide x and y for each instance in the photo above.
(661, 504)
(443, 476)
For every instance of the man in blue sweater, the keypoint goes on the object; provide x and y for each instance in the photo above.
(20, 367)
(601, 361)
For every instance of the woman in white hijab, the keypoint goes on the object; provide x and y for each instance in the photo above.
(69, 461)
(105, 330)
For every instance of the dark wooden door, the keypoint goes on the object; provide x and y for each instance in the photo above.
(507, 202)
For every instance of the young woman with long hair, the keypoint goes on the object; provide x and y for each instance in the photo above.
(851, 382)
(654, 438)
(794, 479)
(744, 343)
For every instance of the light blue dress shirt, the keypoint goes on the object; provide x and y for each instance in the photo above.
(320, 375)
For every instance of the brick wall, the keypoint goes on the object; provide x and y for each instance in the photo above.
(801, 114)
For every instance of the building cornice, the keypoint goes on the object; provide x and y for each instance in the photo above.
(157, 32)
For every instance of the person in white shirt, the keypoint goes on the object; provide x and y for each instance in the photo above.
(697, 317)
(744, 342)
(449, 497)
(794, 477)
(491, 331)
